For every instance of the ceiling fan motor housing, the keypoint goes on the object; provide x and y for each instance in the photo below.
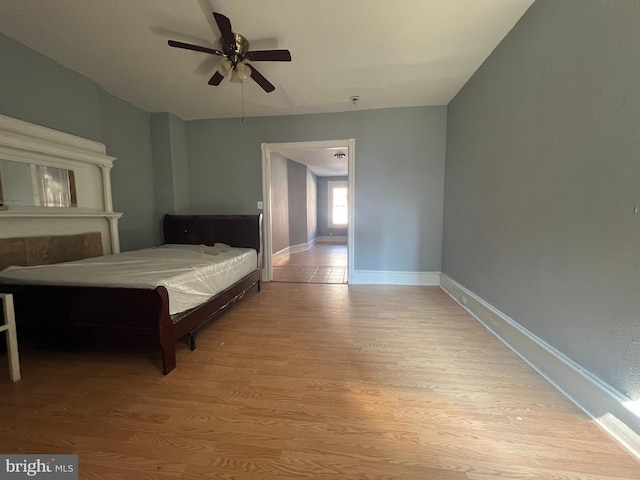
(235, 52)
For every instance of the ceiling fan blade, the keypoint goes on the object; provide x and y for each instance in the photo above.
(216, 79)
(260, 80)
(224, 24)
(195, 48)
(269, 56)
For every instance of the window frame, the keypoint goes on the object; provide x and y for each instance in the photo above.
(331, 185)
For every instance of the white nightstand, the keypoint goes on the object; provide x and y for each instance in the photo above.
(12, 338)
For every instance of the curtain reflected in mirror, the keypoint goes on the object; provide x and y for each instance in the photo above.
(24, 184)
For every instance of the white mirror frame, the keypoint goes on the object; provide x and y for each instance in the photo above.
(33, 144)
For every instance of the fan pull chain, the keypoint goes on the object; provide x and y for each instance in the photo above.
(242, 90)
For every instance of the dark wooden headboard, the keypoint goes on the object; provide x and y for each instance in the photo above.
(236, 230)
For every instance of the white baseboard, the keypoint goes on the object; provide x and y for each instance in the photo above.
(279, 255)
(373, 277)
(616, 414)
(285, 252)
(331, 239)
(302, 246)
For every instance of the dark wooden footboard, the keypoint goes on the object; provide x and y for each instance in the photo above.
(63, 315)
(128, 317)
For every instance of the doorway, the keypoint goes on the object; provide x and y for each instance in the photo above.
(301, 242)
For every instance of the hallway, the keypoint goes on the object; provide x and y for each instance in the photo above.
(322, 263)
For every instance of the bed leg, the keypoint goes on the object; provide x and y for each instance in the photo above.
(168, 359)
(192, 340)
(259, 285)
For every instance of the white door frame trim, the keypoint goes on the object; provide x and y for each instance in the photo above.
(350, 145)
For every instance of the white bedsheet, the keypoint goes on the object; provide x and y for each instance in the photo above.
(191, 273)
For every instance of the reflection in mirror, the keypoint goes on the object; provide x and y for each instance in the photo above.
(17, 186)
(23, 184)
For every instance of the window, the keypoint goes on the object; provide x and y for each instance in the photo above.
(338, 204)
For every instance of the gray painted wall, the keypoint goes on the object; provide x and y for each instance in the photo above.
(297, 174)
(170, 165)
(35, 89)
(399, 175)
(542, 183)
(293, 187)
(279, 203)
(127, 135)
(323, 207)
(162, 166)
(180, 163)
(312, 205)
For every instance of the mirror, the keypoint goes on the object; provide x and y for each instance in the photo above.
(24, 184)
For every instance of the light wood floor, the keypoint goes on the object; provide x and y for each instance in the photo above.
(312, 381)
(322, 263)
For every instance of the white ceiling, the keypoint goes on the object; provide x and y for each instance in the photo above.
(321, 161)
(391, 53)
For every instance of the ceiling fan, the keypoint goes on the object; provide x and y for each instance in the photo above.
(235, 50)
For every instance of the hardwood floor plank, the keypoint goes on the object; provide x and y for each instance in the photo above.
(321, 263)
(312, 381)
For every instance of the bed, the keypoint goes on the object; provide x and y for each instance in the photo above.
(130, 311)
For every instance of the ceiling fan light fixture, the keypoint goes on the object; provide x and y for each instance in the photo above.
(224, 66)
(235, 76)
(243, 71)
